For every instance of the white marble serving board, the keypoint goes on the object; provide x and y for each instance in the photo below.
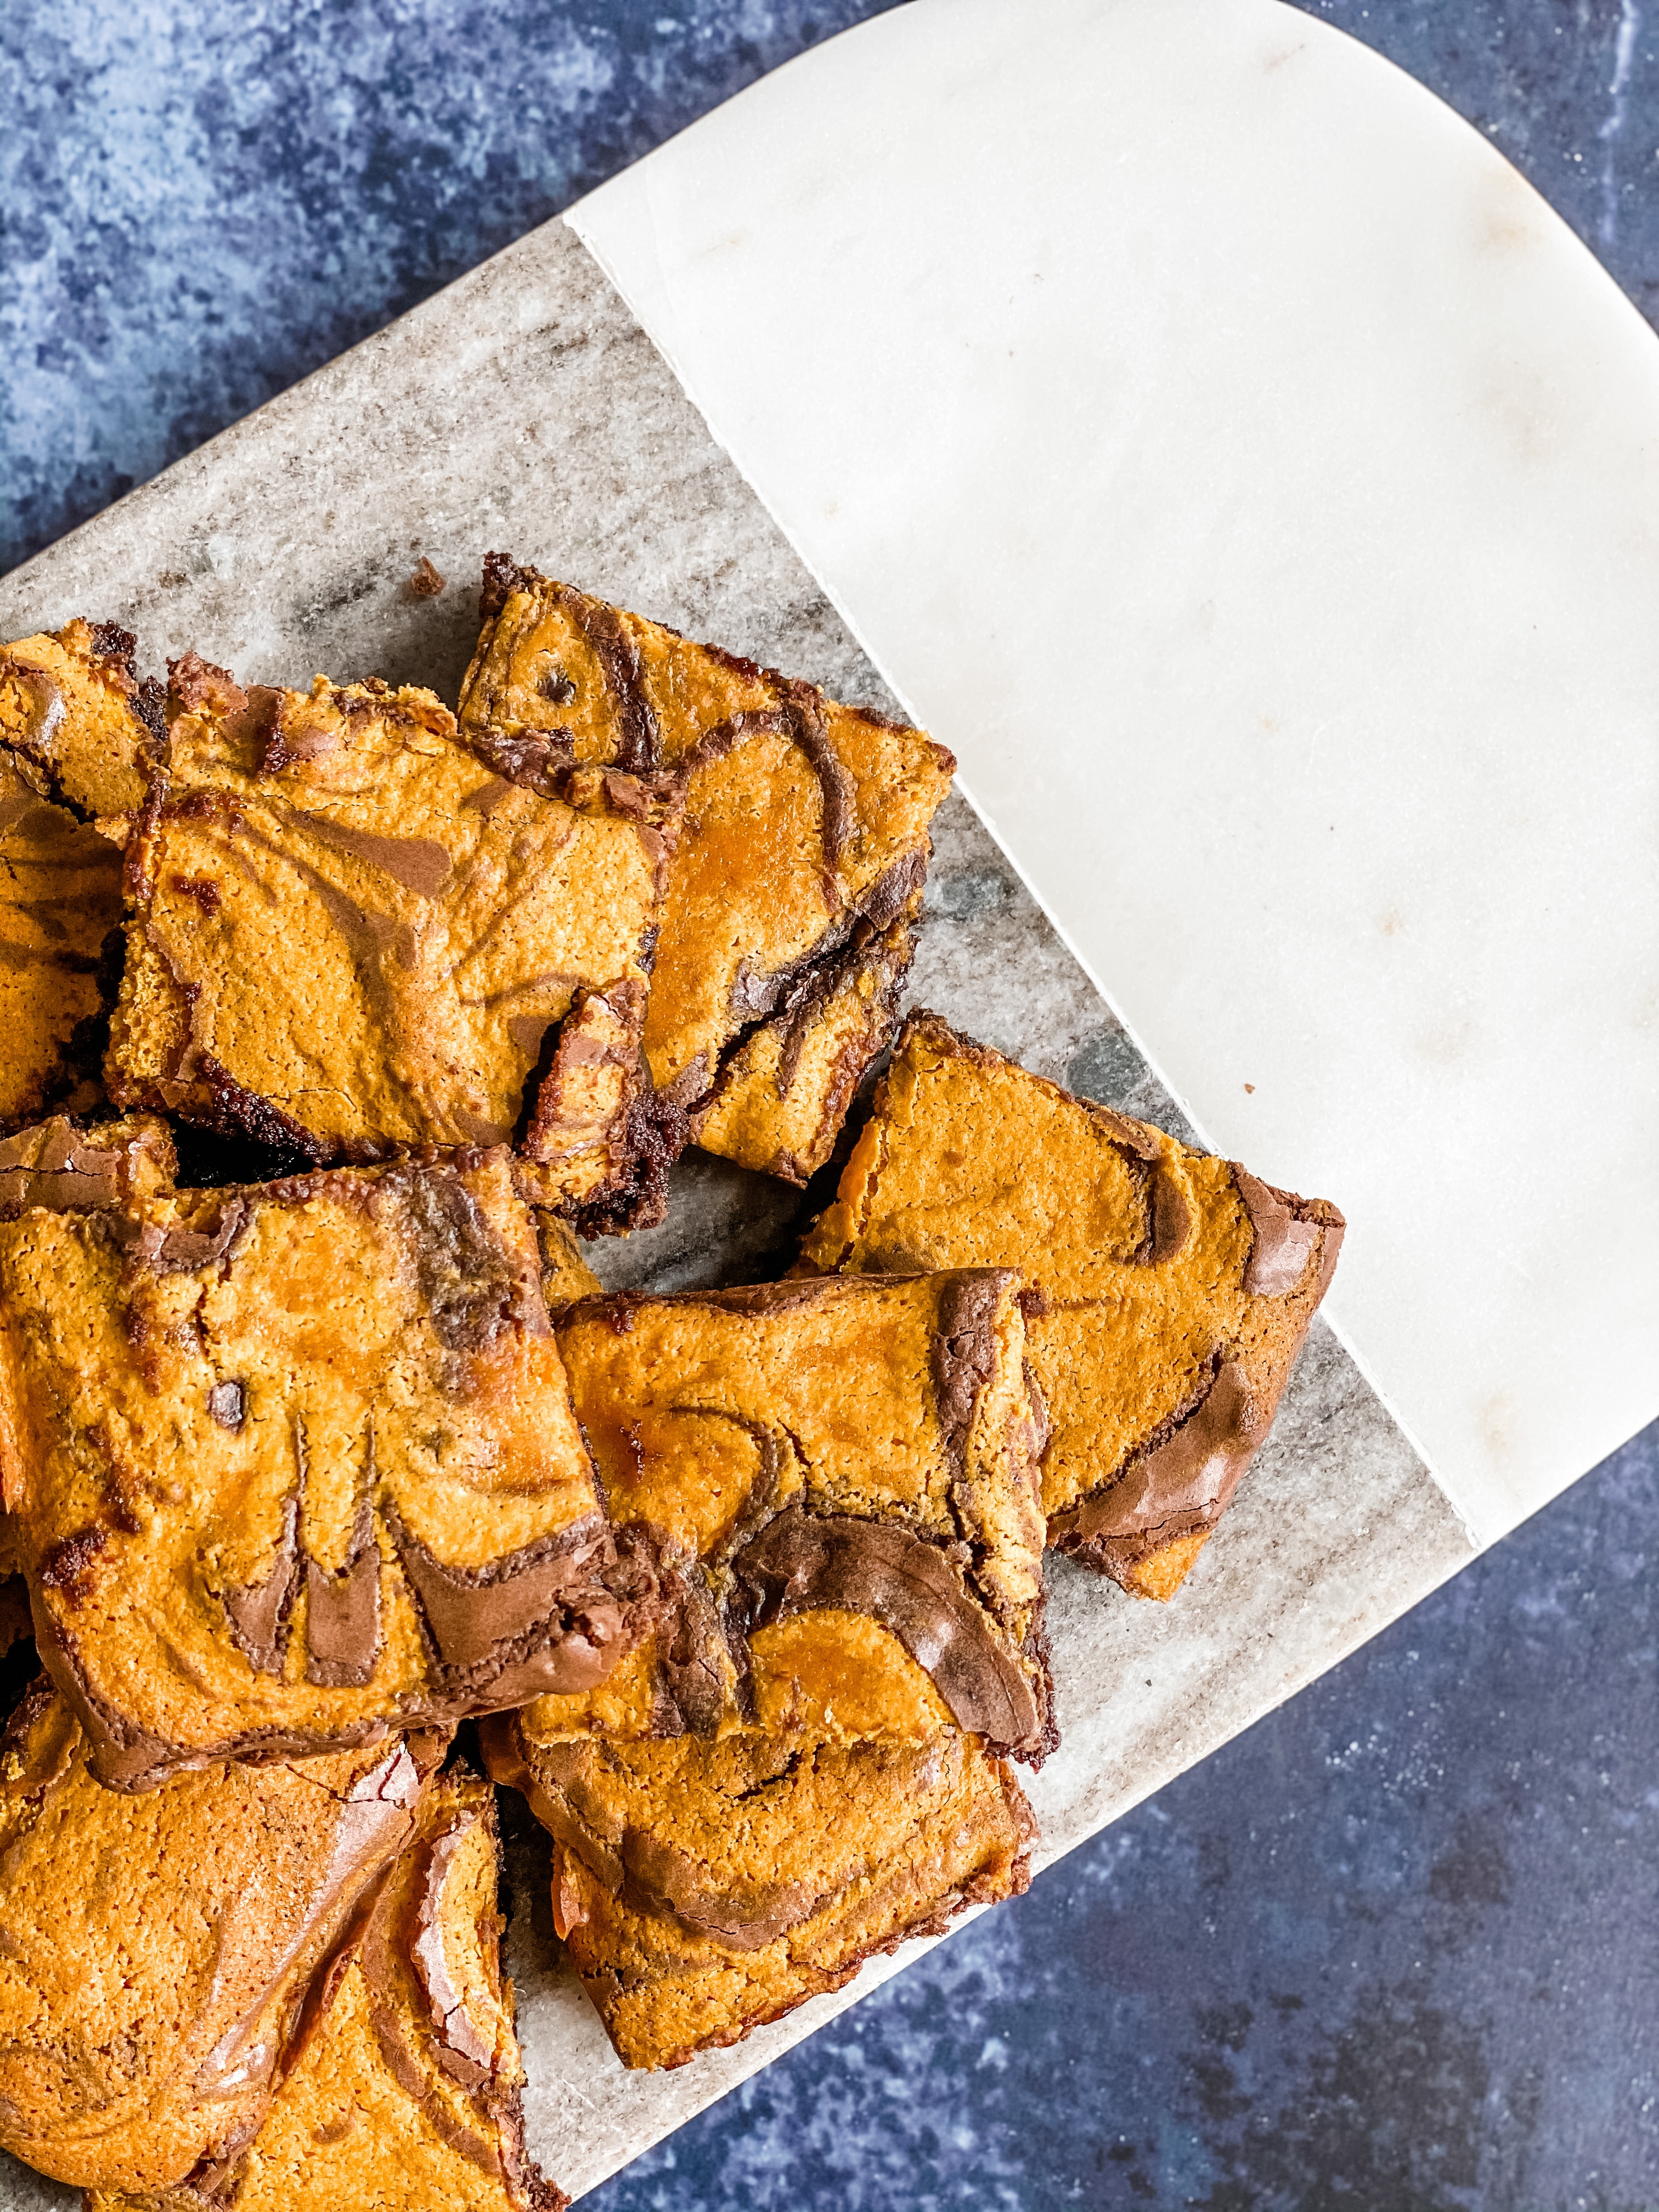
(526, 408)
(1260, 485)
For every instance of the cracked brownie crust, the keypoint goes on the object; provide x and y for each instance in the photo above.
(293, 1464)
(787, 929)
(69, 1168)
(352, 936)
(157, 1948)
(1170, 1292)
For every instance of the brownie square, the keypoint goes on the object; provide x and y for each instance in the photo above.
(703, 1888)
(292, 1464)
(785, 933)
(157, 1947)
(834, 1485)
(351, 936)
(1170, 1292)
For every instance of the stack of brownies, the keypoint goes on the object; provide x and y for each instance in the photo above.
(335, 1020)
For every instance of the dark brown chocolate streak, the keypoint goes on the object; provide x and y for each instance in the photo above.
(1286, 1236)
(805, 706)
(406, 2072)
(236, 1112)
(691, 1651)
(473, 1287)
(699, 1635)
(646, 1141)
(893, 890)
(126, 1757)
(342, 1612)
(1170, 1217)
(654, 1876)
(552, 1593)
(150, 704)
(502, 575)
(180, 1251)
(803, 1562)
(963, 1360)
(1181, 1478)
(665, 1879)
(112, 643)
(258, 1612)
(369, 934)
(639, 742)
(753, 1300)
(789, 999)
(537, 760)
(868, 953)
(714, 743)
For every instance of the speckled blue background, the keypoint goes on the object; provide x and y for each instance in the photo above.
(1396, 1949)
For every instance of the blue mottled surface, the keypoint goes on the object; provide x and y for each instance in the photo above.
(1397, 1948)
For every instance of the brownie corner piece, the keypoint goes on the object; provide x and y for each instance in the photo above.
(1168, 1291)
(357, 934)
(784, 932)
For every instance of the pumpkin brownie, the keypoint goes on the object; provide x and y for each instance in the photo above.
(294, 1463)
(74, 713)
(79, 735)
(1170, 1292)
(402, 2090)
(60, 952)
(353, 937)
(833, 1486)
(786, 933)
(702, 1888)
(157, 1948)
